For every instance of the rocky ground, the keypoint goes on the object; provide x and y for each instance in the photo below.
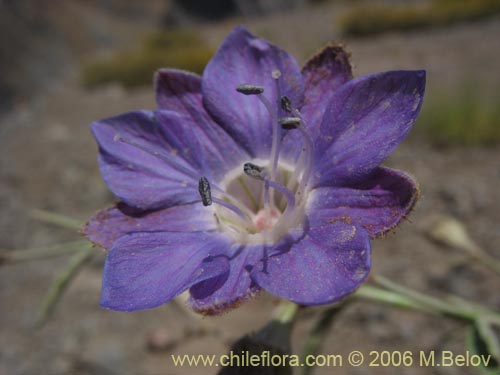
(47, 159)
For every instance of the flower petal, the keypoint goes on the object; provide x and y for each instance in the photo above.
(205, 146)
(378, 204)
(145, 270)
(148, 174)
(154, 159)
(210, 146)
(108, 225)
(245, 59)
(323, 74)
(366, 119)
(324, 266)
(216, 297)
(178, 91)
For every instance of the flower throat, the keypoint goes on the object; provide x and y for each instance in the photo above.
(260, 201)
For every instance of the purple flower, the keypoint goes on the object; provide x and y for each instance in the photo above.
(257, 175)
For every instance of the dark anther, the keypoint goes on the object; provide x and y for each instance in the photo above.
(254, 171)
(289, 122)
(286, 103)
(250, 89)
(205, 192)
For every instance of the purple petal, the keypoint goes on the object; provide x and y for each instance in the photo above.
(150, 174)
(323, 74)
(154, 159)
(367, 118)
(108, 225)
(178, 91)
(205, 145)
(326, 265)
(181, 92)
(378, 204)
(245, 59)
(145, 270)
(213, 297)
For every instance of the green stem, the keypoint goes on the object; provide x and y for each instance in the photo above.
(380, 295)
(59, 285)
(56, 219)
(434, 304)
(400, 296)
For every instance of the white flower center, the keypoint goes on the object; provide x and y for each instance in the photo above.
(266, 216)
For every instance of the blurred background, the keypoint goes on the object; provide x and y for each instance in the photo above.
(65, 63)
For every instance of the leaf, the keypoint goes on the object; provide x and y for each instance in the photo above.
(481, 340)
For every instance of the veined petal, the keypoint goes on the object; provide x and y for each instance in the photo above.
(205, 146)
(365, 121)
(150, 172)
(145, 270)
(178, 91)
(323, 74)
(154, 159)
(209, 143)
(245, 59)
(214, 297)
(324, 266)
(108, 225)
(378, 204)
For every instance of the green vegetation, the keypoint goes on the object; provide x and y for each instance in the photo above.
(179, 49)
(437, 13)
(469, 117)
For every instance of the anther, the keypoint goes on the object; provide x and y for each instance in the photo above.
(286, 104)
(254, 171)
(289, 122)
(205, 191)
(207, 200)
(250, 89)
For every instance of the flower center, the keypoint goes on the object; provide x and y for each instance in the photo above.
(261, 200)
(247, 210)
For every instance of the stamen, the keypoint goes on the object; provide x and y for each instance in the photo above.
(286, 104)
(276, 145)
(205, 192)
(167, 160)
(289, 122)
(290, 197)
(254, 171)
(308, 153)
(259, 173)
(247, 89)
(207, 199)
